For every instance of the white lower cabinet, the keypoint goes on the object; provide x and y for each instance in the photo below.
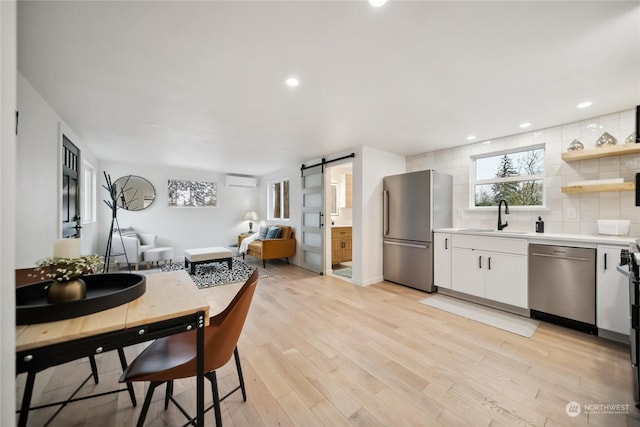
(442, 260)
(491, 268)
(467, 276)
(612, 291)
(506, 279)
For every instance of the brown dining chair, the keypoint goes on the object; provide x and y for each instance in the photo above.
(174, 357)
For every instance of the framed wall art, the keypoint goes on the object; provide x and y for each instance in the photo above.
(197, 194)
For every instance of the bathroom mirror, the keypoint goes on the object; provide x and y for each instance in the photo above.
(135, 193)
(334, 199)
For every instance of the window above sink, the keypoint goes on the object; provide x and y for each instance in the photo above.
(516, 176)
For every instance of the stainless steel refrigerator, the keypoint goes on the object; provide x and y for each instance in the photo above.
(415, 204)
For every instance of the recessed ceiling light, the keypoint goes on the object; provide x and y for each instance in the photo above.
(584, 104)
(292, 82)
(471, 137)
(377, 3)
(525, 125)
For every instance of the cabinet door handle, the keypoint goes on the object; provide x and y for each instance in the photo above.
(480, 261)
(489, 263)
(446, 244)
(605, 261)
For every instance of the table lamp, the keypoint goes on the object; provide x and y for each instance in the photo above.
(251, 216)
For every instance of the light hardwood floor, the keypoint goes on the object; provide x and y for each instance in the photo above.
(318, 351)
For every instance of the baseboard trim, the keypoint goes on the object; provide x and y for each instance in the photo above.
(483, 301)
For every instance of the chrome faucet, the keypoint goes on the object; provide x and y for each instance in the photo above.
(506, 212)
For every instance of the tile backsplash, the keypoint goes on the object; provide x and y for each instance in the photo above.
(564, 213)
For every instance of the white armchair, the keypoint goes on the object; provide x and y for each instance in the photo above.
(133, 244)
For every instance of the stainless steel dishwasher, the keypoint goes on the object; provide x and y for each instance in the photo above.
(562, 285)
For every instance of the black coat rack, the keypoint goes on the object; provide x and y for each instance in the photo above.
(113, 205)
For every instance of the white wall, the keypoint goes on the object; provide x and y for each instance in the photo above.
(39, 177)
(179, 228)
(369, 167)
(7, 211)
(558, 219)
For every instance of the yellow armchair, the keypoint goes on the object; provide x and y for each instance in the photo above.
(282, 247)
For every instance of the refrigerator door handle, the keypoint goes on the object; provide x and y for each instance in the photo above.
(409, 245)
(385, 213)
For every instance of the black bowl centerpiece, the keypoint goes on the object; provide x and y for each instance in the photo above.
(65, 275)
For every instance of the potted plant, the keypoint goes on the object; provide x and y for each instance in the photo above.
(66, 274)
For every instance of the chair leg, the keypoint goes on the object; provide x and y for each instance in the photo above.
(123, 364)
(168, 394)
(216, 398)
(240, 377)
(264, 263)
(94, 368)
(147, 402)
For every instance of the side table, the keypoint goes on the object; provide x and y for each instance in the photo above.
(243, 236)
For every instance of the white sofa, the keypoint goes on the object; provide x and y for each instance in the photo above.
(133, 243)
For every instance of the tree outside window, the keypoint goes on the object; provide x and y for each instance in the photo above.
(517, 177)
(279, 199)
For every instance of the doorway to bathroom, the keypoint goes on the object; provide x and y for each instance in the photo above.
(339, 205)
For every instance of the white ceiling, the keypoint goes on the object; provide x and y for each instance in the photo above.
(201, 84)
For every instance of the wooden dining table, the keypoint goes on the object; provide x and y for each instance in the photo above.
(170, 305)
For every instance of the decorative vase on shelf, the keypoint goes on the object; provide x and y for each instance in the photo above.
(575, 146)
(70, 290)
(606, 139)
(631, 139)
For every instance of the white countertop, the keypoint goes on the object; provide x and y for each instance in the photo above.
(548, 238)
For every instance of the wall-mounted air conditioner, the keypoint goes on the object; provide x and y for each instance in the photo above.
(241, 181)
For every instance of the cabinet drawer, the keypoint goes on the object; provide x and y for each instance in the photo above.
(514, 246)
(340, 232)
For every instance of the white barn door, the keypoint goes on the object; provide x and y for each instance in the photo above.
(312, 239)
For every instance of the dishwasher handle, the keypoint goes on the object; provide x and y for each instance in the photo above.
(560, 256)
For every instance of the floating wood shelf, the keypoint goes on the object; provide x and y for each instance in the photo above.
(600, 152)
(625, 186)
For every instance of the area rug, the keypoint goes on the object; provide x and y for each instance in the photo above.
(344, 272)
(218, 273)
(498, 319)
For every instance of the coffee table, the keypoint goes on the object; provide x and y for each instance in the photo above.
(193, 257)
